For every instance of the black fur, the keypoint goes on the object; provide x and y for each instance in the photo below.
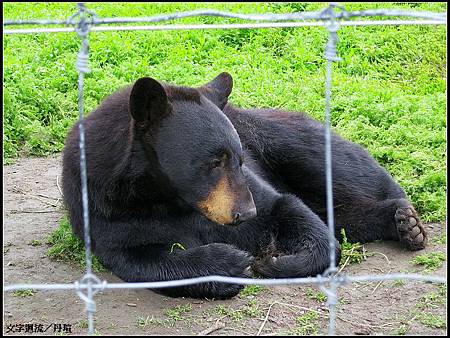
(149, 152)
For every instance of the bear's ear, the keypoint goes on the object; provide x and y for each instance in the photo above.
(148, 102)
(218, 90)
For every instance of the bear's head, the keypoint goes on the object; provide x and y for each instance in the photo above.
(195, 144)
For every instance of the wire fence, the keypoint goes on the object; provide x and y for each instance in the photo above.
(85, 21)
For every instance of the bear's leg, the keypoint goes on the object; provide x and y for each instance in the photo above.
(391, 219)
(160, 263)
(301, 246)
(368, 202)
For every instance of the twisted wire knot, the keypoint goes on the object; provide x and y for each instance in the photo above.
(330, 16)
(83, 20)
(83, 62)
(90, 304)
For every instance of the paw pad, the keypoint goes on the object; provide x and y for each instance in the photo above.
(409, 228)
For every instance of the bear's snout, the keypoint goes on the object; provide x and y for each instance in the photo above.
(225, 205)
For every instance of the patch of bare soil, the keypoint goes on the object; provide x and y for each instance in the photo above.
(32, 210)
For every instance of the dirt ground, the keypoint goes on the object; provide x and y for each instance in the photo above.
(32, 210)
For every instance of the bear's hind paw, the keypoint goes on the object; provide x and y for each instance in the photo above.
(410, 229)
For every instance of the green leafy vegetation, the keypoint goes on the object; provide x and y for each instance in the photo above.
(65, 246)
(307, 324)
(389, 90)
(250, 309)
(177, 312)
(24, 293)
(432, 320)
(351, 252)
(316, 295)
(431, 261)
(251, 290)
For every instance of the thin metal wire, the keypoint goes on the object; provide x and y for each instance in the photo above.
(328, 18)
(82, 29)
(226, 26)
(330, 55)
(313, 15)
(341, 279)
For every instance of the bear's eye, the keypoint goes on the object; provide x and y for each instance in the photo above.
(219, 162)
(216, 163)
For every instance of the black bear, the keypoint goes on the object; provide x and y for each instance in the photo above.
(182, 184)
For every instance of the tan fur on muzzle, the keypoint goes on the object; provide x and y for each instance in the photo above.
(218, 206)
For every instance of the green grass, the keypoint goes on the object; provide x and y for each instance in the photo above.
(35, 242)
(178, 312)
(351, 253)
(389, 90)
(65, 246)
(431, 261)
(142, 322)
(250, 310)
(307, 324)
(442, 239)
(319, 296)
(24, 293)
(432, 320)
(251, 290)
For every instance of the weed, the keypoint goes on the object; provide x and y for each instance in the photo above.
(399, 282)
(65, 246)
(251, 290)
(433, 299)
(24, 293)
(178, 311)
(351, 252)
(307, 324)
(316, 295)
(82, 324)
(442, 239)
(431, 320)
(432, 260)
(251, 309)
(235, 315)
(35, 242)
(144, 322)
(401, 330)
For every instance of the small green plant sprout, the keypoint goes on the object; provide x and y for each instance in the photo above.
(433, 299)
(316, 295)
(399, 282)
(251, 290)
(351, 252)
(431, 261)
(235, 315)
(251, 309)
(307, 324)
(177, 245)
(82, 324)
(178, 311)
(440, 239)
(143, 322)
(24, 293)
(35, 242)
(401, 330)
(431, 320)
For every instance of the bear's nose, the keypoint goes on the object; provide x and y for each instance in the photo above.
(245, 215)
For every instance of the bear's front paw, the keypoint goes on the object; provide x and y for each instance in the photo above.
(226, 260)
(409, 228)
